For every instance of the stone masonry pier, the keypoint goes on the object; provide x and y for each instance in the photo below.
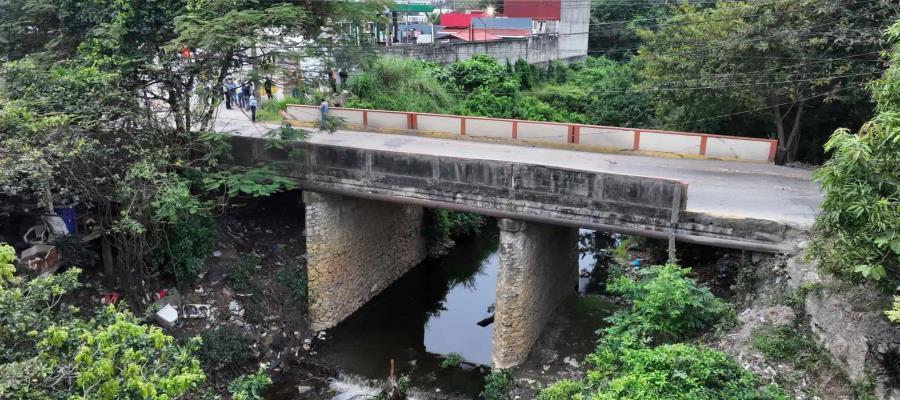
(538, 270)
(356, 248)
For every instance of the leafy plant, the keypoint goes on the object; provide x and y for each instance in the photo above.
(666, 305)
(495, 385)
(256, 182)
(251, 386)
(675, 371)
(294, 277)
(451, 361)
(894, 314)
(183, 245)
(784, 343)
(240, 274)
(442, 225)
(565, 389)
(225, 346)
(50, 352)
(857, 234)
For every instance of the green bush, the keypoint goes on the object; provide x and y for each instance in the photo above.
(452, 360)
(250, 386)
(400, 84)
(561, 390)
(295, 279)
(676, 372)
(495, 385)
(786, 344)
(441, 225)
(240, 274)
(183, 245)
(226, 346)
(666, 306)
(480, 71)
(857, 234)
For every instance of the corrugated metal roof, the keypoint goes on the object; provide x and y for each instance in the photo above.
(474, 35)
(502, 23)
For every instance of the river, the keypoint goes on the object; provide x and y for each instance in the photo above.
(433, 311)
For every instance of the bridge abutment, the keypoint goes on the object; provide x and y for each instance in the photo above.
(538, 270)
(356, 248)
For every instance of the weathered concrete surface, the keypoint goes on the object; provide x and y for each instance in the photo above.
(356, 249)
(538, 269)
(630, 204)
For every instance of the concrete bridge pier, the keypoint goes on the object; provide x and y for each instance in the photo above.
(356, 248)
(538, 270)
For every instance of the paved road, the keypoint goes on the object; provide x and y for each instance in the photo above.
(721, 188)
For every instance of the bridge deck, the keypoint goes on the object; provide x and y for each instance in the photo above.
(718, 188)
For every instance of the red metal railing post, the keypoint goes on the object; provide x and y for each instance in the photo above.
(703, 140)
(637, 141)
(462, 126)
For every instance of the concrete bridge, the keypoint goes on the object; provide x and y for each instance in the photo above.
(364, 195)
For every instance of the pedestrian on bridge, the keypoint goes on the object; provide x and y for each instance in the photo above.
(253, 108)
(323, 108)
(267, 85)
(245, 96)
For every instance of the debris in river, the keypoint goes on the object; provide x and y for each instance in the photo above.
(392, 390)
(196, 311)
(167, 316)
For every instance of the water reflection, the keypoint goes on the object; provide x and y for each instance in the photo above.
(433, 310)
(430, 311)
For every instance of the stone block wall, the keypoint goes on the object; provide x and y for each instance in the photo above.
(356, 249)
(538, 270)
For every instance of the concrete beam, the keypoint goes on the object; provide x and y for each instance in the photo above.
(538, 270)
(357, 248)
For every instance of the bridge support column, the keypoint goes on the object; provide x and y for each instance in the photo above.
(356, 249)
(538, 270)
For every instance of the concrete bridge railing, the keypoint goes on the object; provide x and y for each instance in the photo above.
(601, 138)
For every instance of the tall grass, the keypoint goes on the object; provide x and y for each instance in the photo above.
(400, 84)
(268, 110)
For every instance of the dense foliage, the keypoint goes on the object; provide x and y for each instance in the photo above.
(50, 352)
(666, 305)
(776, 61)
(858, 230)
(637, 357)
(108, 106)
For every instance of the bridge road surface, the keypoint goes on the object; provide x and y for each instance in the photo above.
(720, 188)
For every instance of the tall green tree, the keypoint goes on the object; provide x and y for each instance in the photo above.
(767, 59)
(857, 234)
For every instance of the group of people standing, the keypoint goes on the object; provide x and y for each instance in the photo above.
(245, 95)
